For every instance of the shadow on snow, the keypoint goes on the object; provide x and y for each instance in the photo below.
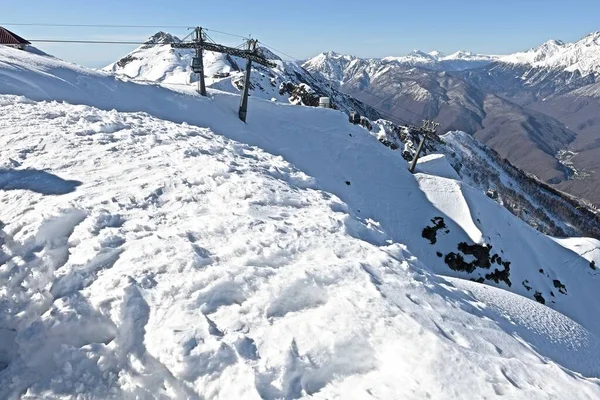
(36, 181)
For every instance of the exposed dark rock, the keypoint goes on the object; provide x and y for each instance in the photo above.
(539, 298)
(526, 284)
(439, 254)
(389, 144)
(407, 156)
(593, 265)
(561, 288)
(498, 275)
(480, 252)
(430, 232)
(456, 262)
(300, 94)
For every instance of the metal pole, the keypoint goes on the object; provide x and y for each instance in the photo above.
(414, 161)
(244, 101)
(201, 84)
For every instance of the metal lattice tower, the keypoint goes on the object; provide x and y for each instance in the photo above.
(428, 130)
(199, 44)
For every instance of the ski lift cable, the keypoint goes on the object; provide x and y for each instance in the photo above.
(116, 26)
(209, 38)
(93, 41)
(93, 25)
(226, 33)
(280, 52)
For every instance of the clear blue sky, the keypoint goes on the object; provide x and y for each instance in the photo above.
(304, 28)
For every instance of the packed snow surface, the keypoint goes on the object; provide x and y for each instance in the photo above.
(153, 246)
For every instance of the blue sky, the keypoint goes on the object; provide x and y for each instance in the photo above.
(374, 28)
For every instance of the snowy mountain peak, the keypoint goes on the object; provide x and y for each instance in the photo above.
(438, 61)
(428, 56)
(336, 56)
(548, 49)
(268, 54)
(461, 54)
(592, 38)
(436, 54)
(162, 38)
(582, 56)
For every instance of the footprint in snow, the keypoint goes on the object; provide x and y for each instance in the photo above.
(420, 302)
(453, 336)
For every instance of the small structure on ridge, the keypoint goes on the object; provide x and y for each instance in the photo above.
(11, 39)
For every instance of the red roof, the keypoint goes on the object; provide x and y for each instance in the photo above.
(8, 37)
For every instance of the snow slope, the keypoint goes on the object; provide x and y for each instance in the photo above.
(479, 166)
(158, 62)
(152, 245)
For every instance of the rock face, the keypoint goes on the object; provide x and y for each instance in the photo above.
(530, 107)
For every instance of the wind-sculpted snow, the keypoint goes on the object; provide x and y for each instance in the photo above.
(201, 257)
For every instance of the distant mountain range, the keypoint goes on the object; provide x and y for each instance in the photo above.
(540, 109)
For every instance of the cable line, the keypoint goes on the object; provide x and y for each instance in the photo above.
(92, 42)
(94, 25)
(117, 26)
(226, 33)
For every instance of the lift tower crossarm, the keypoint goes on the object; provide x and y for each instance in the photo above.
(250, 54)
(247, 54)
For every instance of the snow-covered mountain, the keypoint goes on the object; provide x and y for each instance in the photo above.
(154, 246)
(582, 56)
(438, 61)
(339, 68)
(287, 82)
(531, 107)
(560, 80)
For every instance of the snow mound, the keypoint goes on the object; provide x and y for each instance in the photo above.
(436, 164)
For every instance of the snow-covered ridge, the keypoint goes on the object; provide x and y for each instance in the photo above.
(338, 67)
(436, 60)
(184, 254)
(582, 56)
(162, 37)
(286, 82)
